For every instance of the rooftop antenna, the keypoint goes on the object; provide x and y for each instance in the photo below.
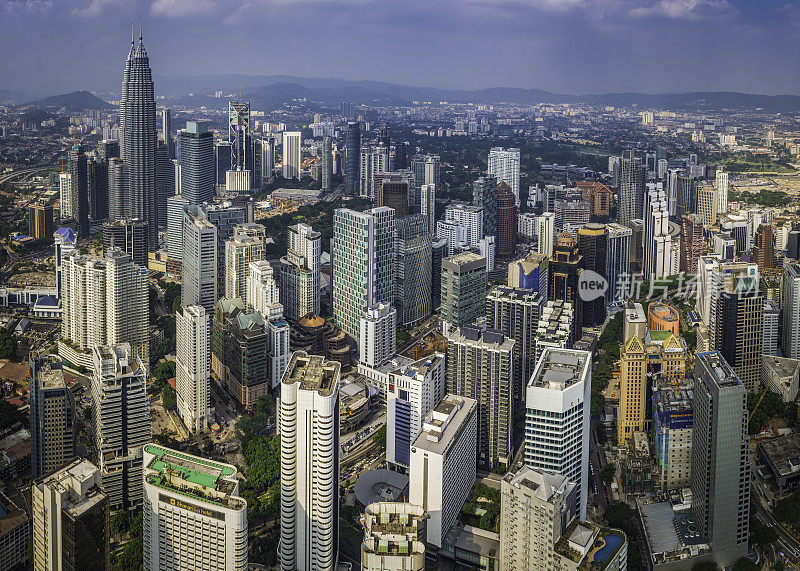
(140, 28)
(131, 33)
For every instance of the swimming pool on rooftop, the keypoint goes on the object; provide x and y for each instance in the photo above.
(612, 542)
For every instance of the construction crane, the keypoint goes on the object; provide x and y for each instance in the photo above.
(763, 394)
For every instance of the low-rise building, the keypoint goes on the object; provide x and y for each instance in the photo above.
(393, 534)
(780, 462)
(782, 375)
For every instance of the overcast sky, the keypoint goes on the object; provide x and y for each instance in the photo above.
(566, 46)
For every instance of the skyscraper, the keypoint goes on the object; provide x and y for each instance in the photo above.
(262, 296)
(291, 154)
(240, 352)
(70, 519)
(65, 239)
(515, 313)
(631, 414)
(463, 288)
(166, 168)
(309, 425)
(166, 131)
(193, 366)
(691, 242)
(327, 163)
(128, 235)
(105, 302)
(484, 196)
(138, 144)
(193, 516)
(618, 258)
(593, 247)
(656, 242)
(558, 401)
(300, 273)
(442, 470)
(428, 206)
(52, 416)
(720, 479)
(790, 336)
(412, 269)
(199, 265)
(503, 165)
(631, 187)
(722, 191)
(414, 389)
(352, 171)
(739, 327)
(245, 246)
(546, 234)
(121, 422)
(363, 264)
(378, 335)
(79, 194)
(239, 135)
(40, 221)
(395, 193)
(197, 163)
(480, 366)
(506, 221)
(565, 268)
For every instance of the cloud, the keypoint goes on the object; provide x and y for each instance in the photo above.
(180, 8)
(685, 9)
(98, 7)
(33, 7)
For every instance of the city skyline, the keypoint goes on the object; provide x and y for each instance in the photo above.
(742, 44)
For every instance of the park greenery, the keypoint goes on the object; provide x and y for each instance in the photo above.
(771, 406)
(129, 527)
(606, 357)
(10, 415)
(8, 343)
(620, 515)
(482, 508)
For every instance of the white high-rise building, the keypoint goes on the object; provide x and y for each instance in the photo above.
(428, 205)
(309, 425)
(722, 192)
(65, 195)
(468, 216)
(199, 265)
(373, 162)
(546, 233)
(618, 258)
(245, 246)
(378, 335)
(504, 166)
(457, 235)
(193, 515)
(300, 273)
(291, 154)
(105, 302)
(791, 311)
(65, 239)
(193, 366)
(442, 470)
(262, 291)
(262, 296)
(362, 264)
(558, 400)
(121, 422)
(657, 242)
(52, 415)
(412, 392)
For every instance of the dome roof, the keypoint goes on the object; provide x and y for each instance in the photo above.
(311, 320)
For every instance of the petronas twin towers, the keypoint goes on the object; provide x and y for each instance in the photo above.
(138, 142)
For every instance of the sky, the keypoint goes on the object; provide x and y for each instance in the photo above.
(563, 46)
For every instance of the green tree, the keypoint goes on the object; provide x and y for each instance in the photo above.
(380, 438)
(120, 522)
(168, 398)
(607, 474)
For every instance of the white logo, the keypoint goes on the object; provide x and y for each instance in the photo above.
(591, 285)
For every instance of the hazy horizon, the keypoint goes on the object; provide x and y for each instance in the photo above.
(561, 46)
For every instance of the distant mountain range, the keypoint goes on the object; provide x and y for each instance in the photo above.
(268, 92)
(75, 101)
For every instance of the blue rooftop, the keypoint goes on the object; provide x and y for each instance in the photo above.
(69, 234)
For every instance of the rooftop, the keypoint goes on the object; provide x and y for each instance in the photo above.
(79, 482)
(381, 485)
(443, 424)
(720, 372)
(313, 373)
(544, 484)
(49, 372)
(193, 476)
(781, 367)
(782, 453)
(589, 546)
(559, 369)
